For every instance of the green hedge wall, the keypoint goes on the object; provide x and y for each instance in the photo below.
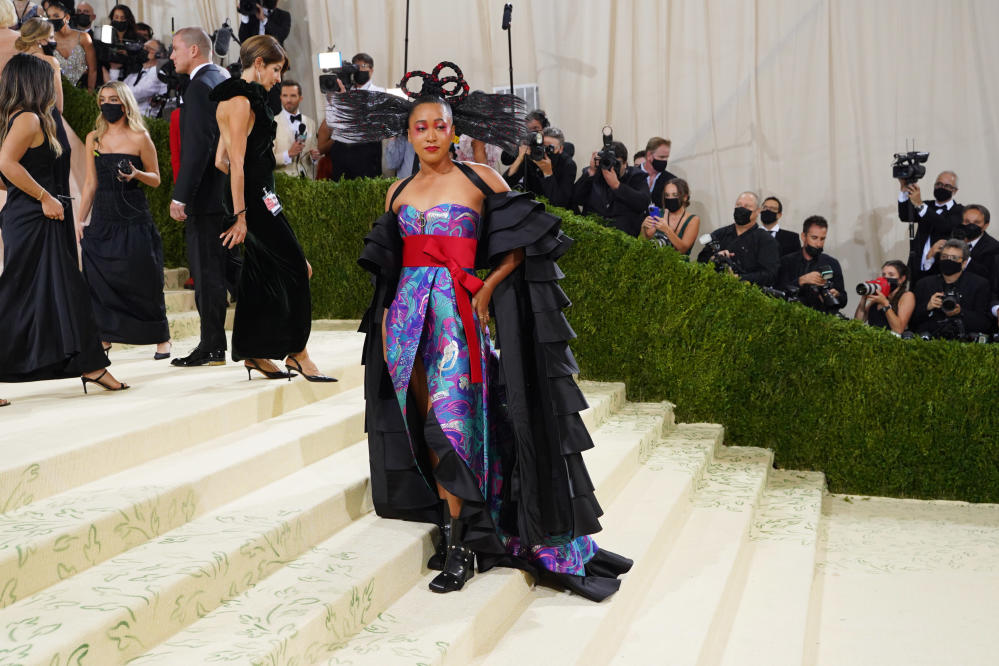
(878, 415)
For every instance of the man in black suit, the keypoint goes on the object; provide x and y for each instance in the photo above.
(984, 248)
(198, 193)
(971, 295)
(746, 244)
(619, 194)
(816, 275)
(657, 151)
(935, 221)
(770, 214)
(551, 177)
(267, 19)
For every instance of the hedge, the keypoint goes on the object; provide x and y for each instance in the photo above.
(877, 415)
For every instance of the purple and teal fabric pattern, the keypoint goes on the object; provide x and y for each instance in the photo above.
(423, 319)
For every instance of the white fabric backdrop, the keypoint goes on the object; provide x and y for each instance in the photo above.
(805, 99)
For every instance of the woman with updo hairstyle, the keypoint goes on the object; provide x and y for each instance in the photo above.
(274, 303)
(675, 227)
(36, 39)
(48, 328)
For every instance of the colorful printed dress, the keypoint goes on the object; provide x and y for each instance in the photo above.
(476, 426)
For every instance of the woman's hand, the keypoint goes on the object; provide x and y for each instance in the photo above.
(308, 267)
(52, 208)
(235, 234)
(480, 305)
(127, 177)
(881, 300)
(79, 230)
(649, 226)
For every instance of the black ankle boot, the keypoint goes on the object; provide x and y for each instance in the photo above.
(460, 563)
(436, 561)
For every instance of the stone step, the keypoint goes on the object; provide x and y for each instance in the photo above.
(179, 300)
(174, 278)
(56, 537)
(772, 614)
(678, 619)
(317, 608)
(122, 607)
(167, 409)
(643, 524)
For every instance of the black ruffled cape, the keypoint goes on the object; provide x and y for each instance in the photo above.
(548, 498)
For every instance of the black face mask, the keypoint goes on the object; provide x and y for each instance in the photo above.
(768, 217)
(813, 252)
(672, 204)
(742, 215)
(362, 77)
(84, 20)
(949, 267)
(119, 26)
(57, 24)
(48, 48)
(942, 194)
(659, 165)
(970, 231)
(112, 112)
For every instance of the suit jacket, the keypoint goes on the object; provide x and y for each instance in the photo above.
(200, 186)
(278, 26)
(302, 164)
(932, 226)
(983, 259)
(788, 242)
(975, 297)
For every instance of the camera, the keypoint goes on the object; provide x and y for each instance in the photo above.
(131, 54)
(333, 67)
(721, 262)
(909, 166)
(250, 6)
(125, 166)
(536, 146)
(176, 83)
(950, 299)
(790, 295)
(607, 158)
(881, 285)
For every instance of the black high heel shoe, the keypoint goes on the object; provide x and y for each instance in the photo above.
(298, 368)
(107, 351)
(437, 560)
(251, 365)
(97, 380)
(460, 564)
(159, 356)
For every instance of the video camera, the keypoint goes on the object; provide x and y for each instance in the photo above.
(175, 83)
(909, 166)
(128, 53)
(607, 159)
(333, 68)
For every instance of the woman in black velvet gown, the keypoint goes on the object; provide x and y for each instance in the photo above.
(48, 329)
(122, 250)
(274, 303)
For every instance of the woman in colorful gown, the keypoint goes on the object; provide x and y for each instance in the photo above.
(274, 303)
(122, 250)
(48, 327)
(488, 446)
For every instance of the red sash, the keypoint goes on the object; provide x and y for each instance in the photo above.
(454, 254)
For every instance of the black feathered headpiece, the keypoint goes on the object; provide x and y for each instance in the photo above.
(364, 115)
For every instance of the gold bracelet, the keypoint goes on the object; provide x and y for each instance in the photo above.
(41, 195)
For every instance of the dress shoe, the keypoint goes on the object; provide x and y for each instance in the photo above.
(200, 357)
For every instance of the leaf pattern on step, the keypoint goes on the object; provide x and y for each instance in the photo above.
(790, 508)
(733, 481)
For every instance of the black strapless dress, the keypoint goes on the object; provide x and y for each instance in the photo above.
(47, 327)
(123, 259)
(274, 304)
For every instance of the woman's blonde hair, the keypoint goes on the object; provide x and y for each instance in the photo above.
(33, 31)
(132, 115)
(8, 17)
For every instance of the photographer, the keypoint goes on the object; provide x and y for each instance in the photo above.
(544, 170)
(746, 247)
(656, 156)
(613, 190)
(891, 310)
(816, 276)
(295, 150)
(983, 248)
(352, 160)
(935, 221)
(770, 214)
(123, 56)
(145, 84)
(263, 18)
(953, 303)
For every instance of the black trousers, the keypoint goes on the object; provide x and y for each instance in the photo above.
(208, 260)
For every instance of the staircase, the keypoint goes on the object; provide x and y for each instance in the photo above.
(200, 518)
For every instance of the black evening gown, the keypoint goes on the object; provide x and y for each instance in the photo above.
(47, 327)
(274, 304)
(123, 259)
